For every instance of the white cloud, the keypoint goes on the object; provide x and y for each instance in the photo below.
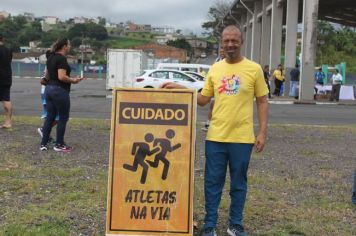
(183, 14)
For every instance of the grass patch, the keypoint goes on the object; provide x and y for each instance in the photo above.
(300, 185)
(127, 42)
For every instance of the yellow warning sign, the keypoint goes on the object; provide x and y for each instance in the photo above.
(152, 149)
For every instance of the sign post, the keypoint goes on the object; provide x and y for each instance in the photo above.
(151, 168)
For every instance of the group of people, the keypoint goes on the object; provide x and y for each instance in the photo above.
(54, 95)
(336, 81)
(233, 82)
(278, 77)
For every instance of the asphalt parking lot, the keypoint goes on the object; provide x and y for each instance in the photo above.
(90, 99)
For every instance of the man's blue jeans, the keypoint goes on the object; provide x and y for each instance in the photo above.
(293, 88)
(218, 157)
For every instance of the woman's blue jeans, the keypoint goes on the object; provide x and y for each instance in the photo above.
(57, 102)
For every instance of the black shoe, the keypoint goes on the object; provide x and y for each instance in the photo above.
(209, 232)
(43, 148)
(236, 230)
(62, 148)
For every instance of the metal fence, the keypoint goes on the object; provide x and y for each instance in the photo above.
(21, 69)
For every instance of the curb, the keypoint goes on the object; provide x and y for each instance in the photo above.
(306, 102)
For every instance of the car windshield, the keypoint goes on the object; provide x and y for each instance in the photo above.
(160, 74)
(196, 76)
(180, 76)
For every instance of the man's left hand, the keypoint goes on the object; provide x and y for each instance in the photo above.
(260, 142)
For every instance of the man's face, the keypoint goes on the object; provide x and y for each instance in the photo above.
(231, 43)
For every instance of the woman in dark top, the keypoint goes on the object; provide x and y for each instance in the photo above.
(57, 95)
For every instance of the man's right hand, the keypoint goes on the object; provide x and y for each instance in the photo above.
(171, 85)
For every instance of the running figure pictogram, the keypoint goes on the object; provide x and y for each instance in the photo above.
(141, 150)
(165, 147)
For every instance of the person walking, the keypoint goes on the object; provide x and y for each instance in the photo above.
(278, 77)
(294, 81)
(233, 82)
(44, 81)
(319, 81)
(267, 75)
(57, 95)
(336, 81)
(5, 82)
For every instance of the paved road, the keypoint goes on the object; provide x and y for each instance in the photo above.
(89, 100)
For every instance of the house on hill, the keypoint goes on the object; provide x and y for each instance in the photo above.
(163, 51)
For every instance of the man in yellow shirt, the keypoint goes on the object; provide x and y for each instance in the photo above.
(278, 77)
(202, 72)
(234, 82)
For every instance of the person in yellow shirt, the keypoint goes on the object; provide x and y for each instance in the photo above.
(278, 77)
(234, 83)
(202, 72)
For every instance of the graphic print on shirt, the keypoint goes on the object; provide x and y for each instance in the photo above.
(230, 86)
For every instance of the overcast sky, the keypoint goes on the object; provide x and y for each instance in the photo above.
(181, 14)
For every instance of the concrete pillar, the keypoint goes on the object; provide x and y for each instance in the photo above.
(256, 33)
(276, 34)
(291, 40)
(266, 34)
(243, 31)
(310, 21)
(248, 41)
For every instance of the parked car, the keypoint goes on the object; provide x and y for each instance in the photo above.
(203, 55)
(195, 75)
(155, 78)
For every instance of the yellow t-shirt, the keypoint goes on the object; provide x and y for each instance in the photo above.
(278, 75)
(234, 87)
(203, 73)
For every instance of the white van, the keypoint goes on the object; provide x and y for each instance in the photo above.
(184, 67)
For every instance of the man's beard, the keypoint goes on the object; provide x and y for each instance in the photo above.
(232, 55)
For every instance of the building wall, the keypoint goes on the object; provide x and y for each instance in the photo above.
(4, 14)
(50, 20)
(163, 51)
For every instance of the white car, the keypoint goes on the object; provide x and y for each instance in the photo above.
(155, 78)
(195, 75)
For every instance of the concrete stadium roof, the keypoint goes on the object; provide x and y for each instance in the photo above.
(338, 11)
(341, 11)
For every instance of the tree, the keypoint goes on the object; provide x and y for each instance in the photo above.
(48, 38)
(97, 32)
(89, 30)
(335, 45)
(76, 42)
(180, 43)
(216, 13)
(77, 30)
(102, 21)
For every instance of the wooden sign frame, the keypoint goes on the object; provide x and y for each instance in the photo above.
(151, 166)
